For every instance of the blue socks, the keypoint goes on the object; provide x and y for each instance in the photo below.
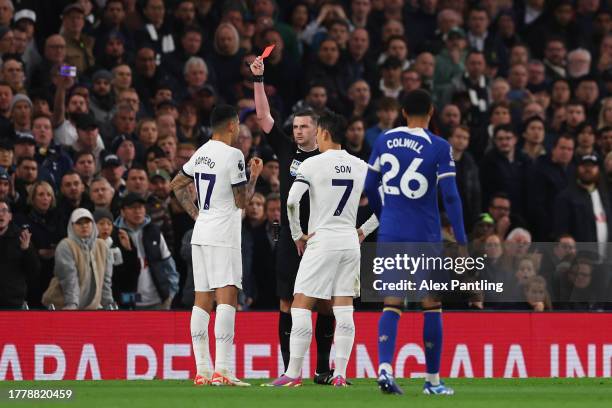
(432, 340)
(387, 334)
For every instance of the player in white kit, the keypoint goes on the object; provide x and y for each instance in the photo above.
(330, 265)
(217, 170)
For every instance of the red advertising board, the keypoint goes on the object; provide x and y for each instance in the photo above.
(145, 345)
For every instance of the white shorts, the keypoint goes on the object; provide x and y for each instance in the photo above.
(323, 274)
(215, 267)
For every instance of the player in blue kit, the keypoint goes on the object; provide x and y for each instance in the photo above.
(410, 163)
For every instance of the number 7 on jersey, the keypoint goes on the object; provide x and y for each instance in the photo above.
(348, 185)
(199, 178)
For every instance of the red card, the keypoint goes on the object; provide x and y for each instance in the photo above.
(267, 51)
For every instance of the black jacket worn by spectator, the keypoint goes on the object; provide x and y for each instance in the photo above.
(498, 174)
(573, 214)
(547, 180)
(468, 184)
(46, 234)
(18, 269)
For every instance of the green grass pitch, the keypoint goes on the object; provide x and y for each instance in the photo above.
(470, 393)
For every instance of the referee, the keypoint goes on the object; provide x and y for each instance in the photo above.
(291, 152)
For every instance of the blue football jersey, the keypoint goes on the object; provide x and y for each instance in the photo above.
(410, 162)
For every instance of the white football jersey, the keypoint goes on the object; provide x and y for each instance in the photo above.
(335, 179)
(215, 168)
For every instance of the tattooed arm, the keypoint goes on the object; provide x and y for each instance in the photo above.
(180, 186)
(244, 192)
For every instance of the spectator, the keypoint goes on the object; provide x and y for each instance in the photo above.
(49, 155)
(269, 180)
(158, 204)
(18, 261)
(101, 193)
(21, 113)
(585, 140)
(24, 146)
(26, 174)
(124, 148)
(476, 84)
(554, 59)
(533, 138)
(79, 46)
(85, 166)
(104, 223)
(581, 210)
(83, 268)
(550, 175)
(587, 93)
(468, 179)
(72, 196)
(504, 169)
(54, 55)
(102, 98)
(7, 153)
(358, 64)
(449, 62)
(5, 186)
(578, 63)
(390, 84)
(360, 96)
(147, 279)
(483, 140)
(190, 45)
(355, 142)
(604, 140)
(387, 113)
(156, 30)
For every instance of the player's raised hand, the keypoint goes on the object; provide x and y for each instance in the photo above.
(256, 166)
(257, 67)
(301, 243)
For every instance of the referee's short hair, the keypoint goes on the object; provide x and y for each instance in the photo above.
(335, 124)
(417, 103)
(221, 115)
(307, 112)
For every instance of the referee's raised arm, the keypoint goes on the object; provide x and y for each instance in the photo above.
(262, 108)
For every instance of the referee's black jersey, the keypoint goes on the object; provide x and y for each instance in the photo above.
(289, 159)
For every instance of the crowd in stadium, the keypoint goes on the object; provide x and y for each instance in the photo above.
(523, 93)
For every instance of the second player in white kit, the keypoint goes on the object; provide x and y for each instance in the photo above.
(217, 171)
(329, 268)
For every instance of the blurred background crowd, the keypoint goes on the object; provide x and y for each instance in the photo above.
(523, 93)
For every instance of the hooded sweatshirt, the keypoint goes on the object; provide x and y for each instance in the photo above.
(83, 270)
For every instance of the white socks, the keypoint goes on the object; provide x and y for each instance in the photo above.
(301, 335)
(344, 336)
(199, 340)
(224, 336)
(434, 379)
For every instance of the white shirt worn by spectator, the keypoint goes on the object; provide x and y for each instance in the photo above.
(66, 135)
(216, 168)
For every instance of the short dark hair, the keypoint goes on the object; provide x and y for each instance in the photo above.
(138, 167)
(603, 130)
(70, 172)
(500, 194)
(417, 103)
(221, 114)
(25, 158)
(307, 112)
(80, 154)
(335, 124)
(576, 102)
(503, 128)
(565, 136)
(387, 103)
(532, 119)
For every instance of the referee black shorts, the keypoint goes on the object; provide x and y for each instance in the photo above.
(287, 264)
